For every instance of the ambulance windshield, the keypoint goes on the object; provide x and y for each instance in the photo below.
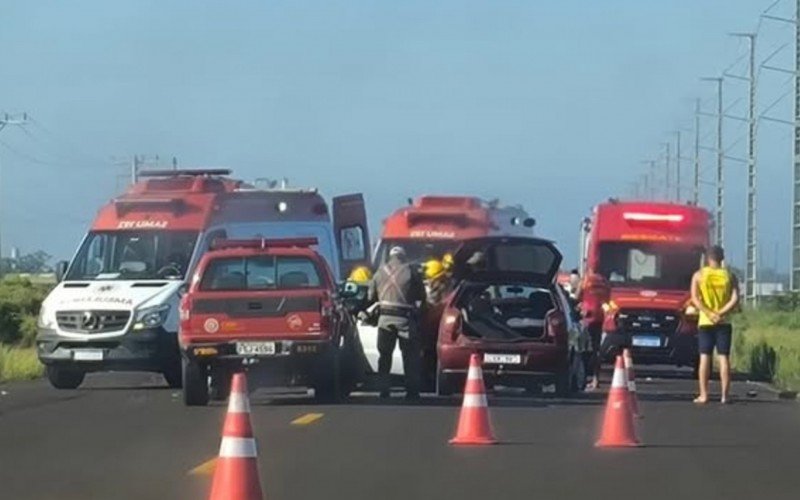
(661, 266)
(417, 251)
(133, 255)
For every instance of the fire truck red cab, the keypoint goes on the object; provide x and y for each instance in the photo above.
(269, 306)
(430, 227)
(639, 258)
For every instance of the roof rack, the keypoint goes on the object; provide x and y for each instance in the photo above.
(196, 172)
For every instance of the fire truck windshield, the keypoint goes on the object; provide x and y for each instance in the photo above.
(660, 266)
(417, 251)
(133, 255)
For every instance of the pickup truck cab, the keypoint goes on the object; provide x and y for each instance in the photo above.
(267, 306)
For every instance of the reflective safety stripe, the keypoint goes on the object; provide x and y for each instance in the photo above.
(233, 447)
(474, 373)
(238, 403)
(620, 380)
(474, 401)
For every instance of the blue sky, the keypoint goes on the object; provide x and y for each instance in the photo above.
(549, 104)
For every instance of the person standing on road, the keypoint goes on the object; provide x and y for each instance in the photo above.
(715, 295)
(399, 291)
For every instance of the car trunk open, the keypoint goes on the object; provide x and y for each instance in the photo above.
(504, 312)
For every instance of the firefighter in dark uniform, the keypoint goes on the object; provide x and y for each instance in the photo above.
(399, 291)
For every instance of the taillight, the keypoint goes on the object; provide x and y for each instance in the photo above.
(557, 327)
(185, 308)
(326, 317)
(451, 323)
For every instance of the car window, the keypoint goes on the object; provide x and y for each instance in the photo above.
(260, 273)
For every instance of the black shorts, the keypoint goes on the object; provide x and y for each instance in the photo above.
(714, 335)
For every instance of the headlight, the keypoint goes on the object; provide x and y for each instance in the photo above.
(44, 321)
(691, 310)
(152, 317)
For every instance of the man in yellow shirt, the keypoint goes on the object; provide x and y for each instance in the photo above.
(715, 295)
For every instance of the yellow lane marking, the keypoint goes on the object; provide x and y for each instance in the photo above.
(308, 418)
(204, 469)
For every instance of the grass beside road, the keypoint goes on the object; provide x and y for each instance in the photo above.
(19, 363)
(767, 346)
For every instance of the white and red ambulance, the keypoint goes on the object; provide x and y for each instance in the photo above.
(116, 304)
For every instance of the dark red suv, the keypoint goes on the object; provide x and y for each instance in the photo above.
(507, 307)
(268, 306)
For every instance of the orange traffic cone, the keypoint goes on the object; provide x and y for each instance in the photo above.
(629, 372)
(618, 427)
(236, 472)
(474, 425)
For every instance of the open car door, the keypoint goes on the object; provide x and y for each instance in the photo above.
(529, 260)
(352, 235)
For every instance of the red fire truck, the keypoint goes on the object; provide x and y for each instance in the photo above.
(638, 262)
(116, 304)
(429, 227)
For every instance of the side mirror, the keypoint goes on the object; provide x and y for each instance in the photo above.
(61, 270)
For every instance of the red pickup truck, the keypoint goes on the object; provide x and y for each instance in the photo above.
(268, 306)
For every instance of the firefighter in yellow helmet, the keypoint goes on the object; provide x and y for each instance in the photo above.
(437, 279)
(360, 275)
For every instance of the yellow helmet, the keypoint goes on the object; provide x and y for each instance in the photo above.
(360, 275)
(448, 262)
(434, 269)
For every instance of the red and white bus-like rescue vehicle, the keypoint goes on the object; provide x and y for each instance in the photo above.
(639, 258)
(116, 304)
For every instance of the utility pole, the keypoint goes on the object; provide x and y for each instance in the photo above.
(751, 250)
(795, 274)
(666, 171)
(678, 166)
(14, 121)
(719, 215)
(135, 163)
(696, 185)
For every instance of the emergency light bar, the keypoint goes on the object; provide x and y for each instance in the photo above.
(125, 205)
(645, 217)
(197, 172)
(222, 244)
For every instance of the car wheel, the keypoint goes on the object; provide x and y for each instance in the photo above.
(578, 373)
(327, 386)
(64, 378)
(195, 383)
(173, 375)
(220, 387)
(444, 386)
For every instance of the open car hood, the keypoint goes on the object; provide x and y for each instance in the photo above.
(492, 258)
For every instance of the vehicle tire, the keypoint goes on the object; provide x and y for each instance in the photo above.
(172, 374)
(578, 373)
(220, 387)
(444, 386)
(195, 384)
(564, 379)
(327, 383)
(64, 378)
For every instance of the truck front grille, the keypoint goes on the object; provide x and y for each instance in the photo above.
(648, 321)
(92, 321)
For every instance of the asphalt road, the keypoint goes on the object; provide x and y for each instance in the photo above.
(127, 436)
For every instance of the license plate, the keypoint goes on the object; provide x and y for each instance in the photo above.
(502, 359)
(255, 348)
(646, 341)
(88, 355)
